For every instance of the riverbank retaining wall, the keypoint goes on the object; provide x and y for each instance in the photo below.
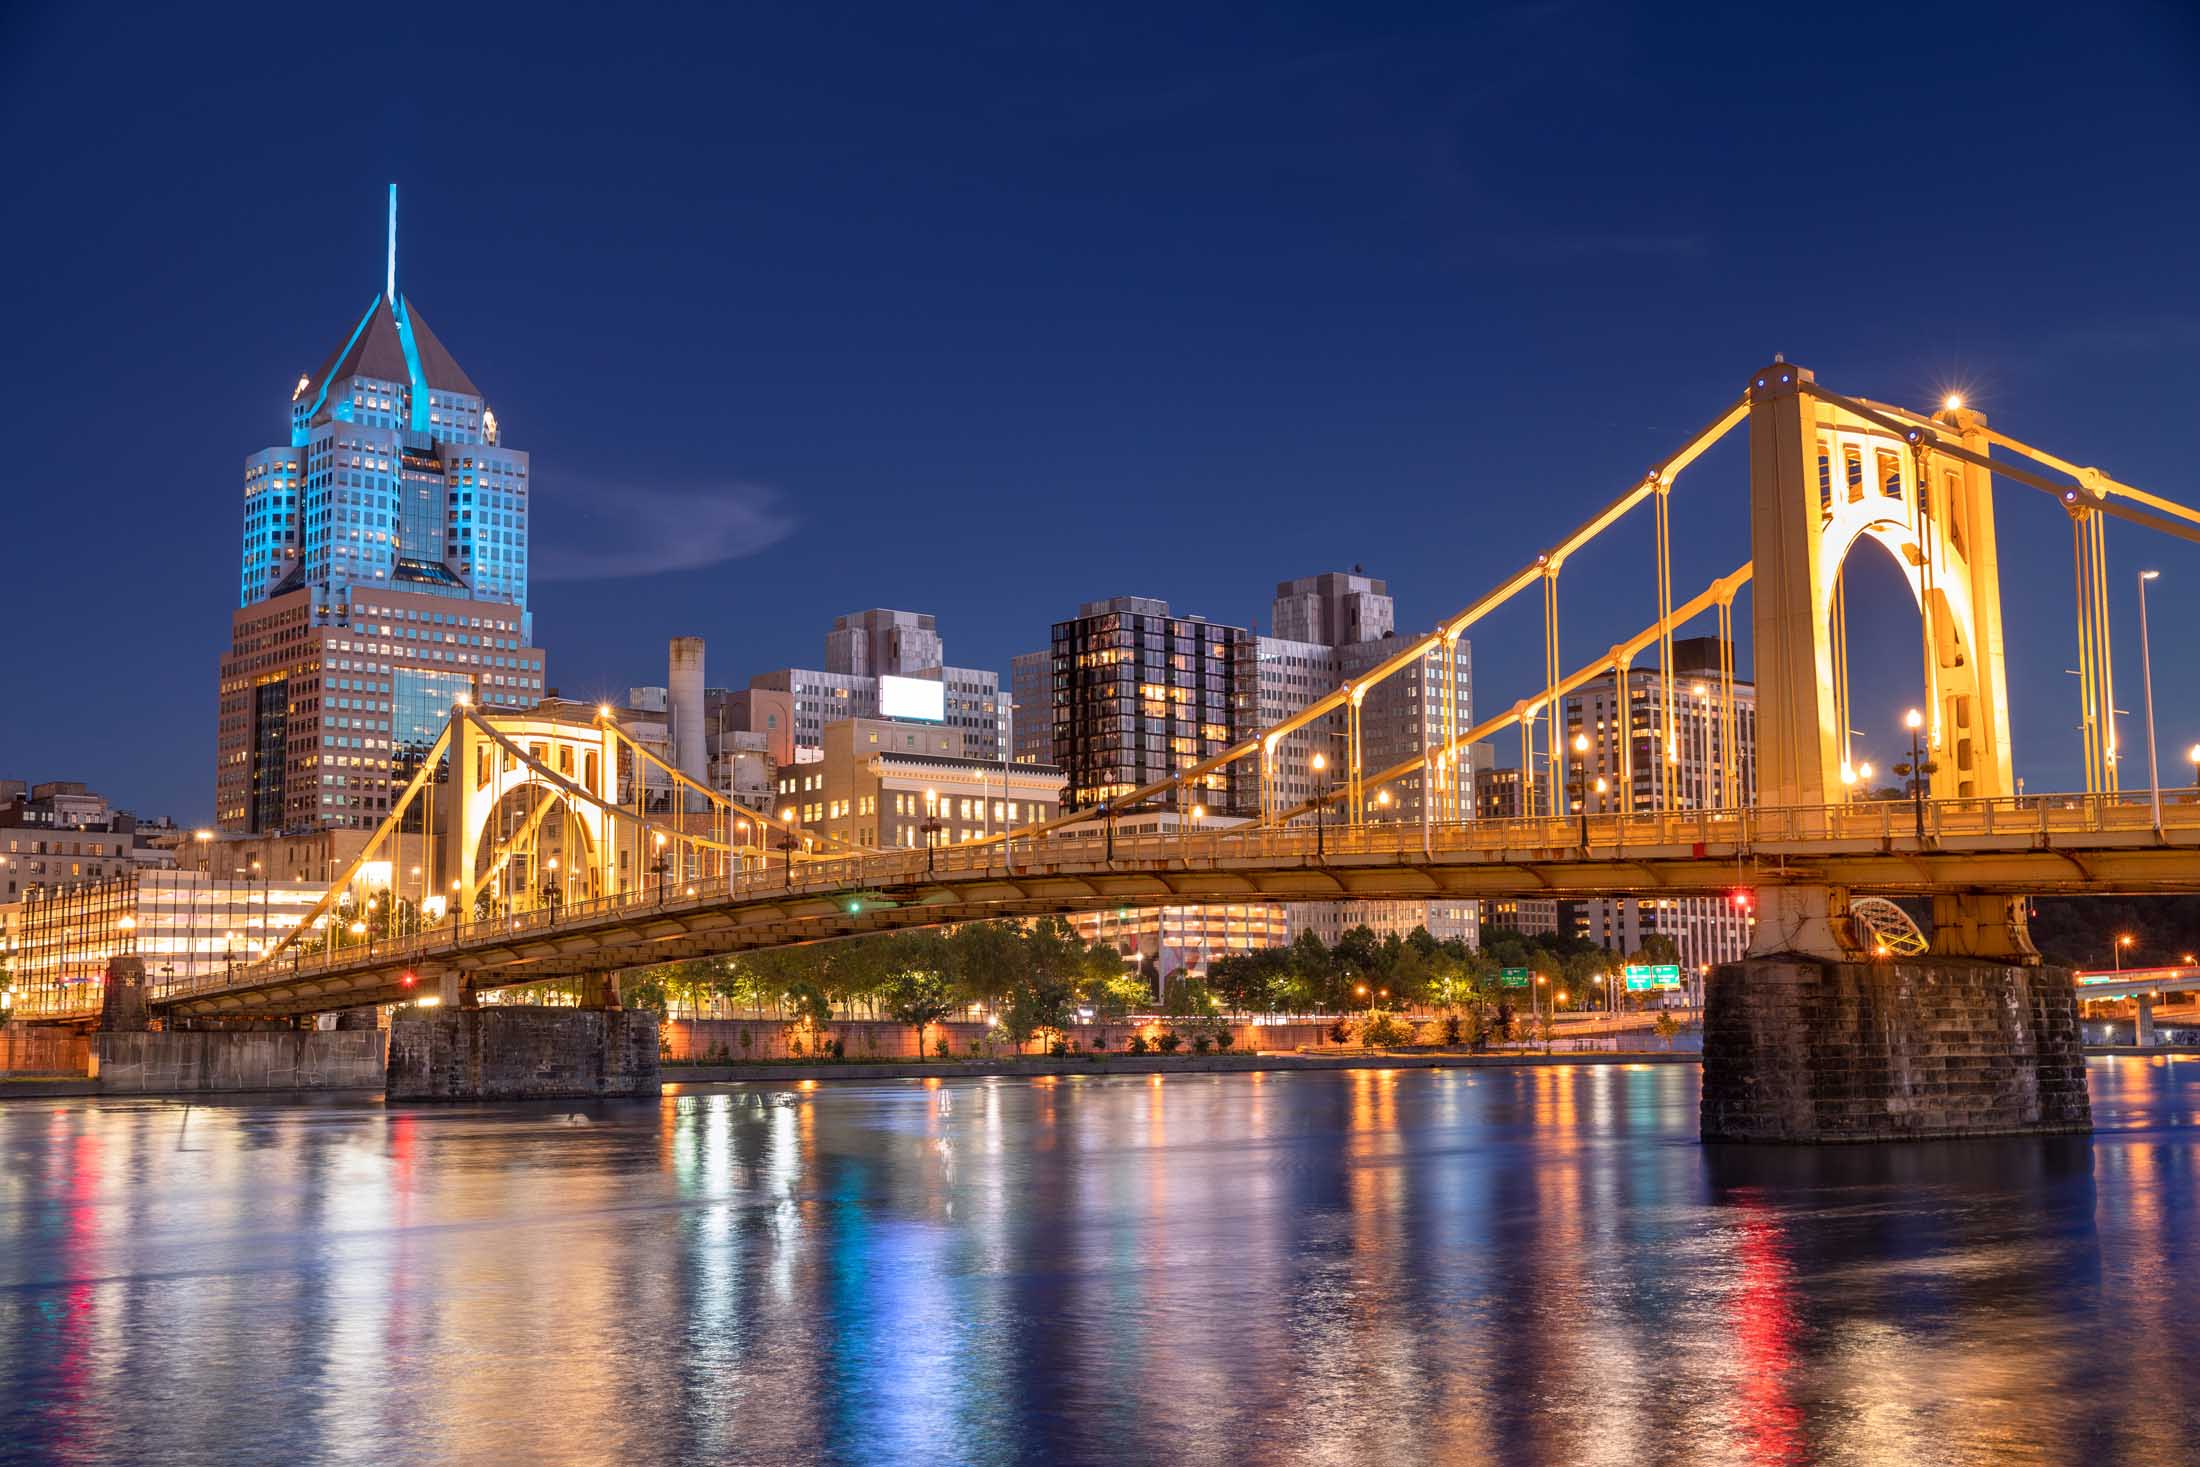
(521, 1052)
(187, 1062)
(737, 1040)
(33, 1049)
(1799, 1049)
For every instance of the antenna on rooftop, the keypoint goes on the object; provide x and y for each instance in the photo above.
(389, 289)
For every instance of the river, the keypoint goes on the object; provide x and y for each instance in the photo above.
(1494, 1265)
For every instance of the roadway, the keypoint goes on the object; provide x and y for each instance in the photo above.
(2036, 844)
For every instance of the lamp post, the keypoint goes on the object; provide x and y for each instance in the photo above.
(931, 827)
(2123, 940)
(1917, 769)
(1581, 785)
(789, 844)
(1321, 800)
(2146, 676)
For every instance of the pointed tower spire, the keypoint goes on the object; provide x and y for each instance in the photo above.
(390, 286)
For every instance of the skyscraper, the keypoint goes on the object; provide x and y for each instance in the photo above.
(382, 578)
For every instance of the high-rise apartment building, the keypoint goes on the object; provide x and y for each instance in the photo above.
(383, 577)
(1712, 765)
(1141, 693)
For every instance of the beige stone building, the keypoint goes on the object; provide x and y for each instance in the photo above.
(881, 781)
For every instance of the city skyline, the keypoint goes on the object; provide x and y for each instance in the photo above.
(1328, 320)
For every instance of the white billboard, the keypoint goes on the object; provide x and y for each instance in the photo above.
(912, 697)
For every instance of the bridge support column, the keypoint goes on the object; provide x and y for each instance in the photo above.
(521, 1052)
(1808, 1040)
(600, 991)
(122, 1007)
(2142, 1025)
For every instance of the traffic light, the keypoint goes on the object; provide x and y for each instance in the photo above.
(409, 978)
(1742, 899)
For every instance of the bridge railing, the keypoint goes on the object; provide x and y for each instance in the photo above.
(1716, 833)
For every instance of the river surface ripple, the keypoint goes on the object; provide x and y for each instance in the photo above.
(1497, 1265)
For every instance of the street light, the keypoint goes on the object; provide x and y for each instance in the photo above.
(1321, 800)
(788, 843)
(2146, 676)
(931, 827)
(2123, 940)
(1917, 769)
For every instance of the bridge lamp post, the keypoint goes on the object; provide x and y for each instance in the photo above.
(1319, 763)
(2123, 941)
(2146, 676)
(931, 827)
(1917, 769)
(789, 844)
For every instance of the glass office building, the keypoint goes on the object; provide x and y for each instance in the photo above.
(382, 576)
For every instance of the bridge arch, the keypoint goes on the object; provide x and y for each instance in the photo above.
(1823, 479)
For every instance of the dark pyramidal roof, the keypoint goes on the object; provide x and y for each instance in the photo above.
(376, 351)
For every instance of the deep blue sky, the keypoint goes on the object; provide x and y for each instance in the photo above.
(988, 310)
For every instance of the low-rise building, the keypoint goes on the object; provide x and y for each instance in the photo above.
(184, 925)
(883, 782)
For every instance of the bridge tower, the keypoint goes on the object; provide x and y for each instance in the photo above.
(1808, 1038)
(1826, 474)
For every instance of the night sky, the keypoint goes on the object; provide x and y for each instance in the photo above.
(989, 310)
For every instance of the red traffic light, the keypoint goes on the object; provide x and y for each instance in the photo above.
(409, 978)
(1742, 899)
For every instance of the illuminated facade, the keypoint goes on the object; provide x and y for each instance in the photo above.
(184, 924)
(1141, 694)
(382, 577)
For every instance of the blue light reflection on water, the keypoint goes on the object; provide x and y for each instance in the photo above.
(1516, 1265)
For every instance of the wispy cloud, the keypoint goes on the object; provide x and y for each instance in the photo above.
(603, 532)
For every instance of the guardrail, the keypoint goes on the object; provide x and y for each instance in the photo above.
(1611, 836)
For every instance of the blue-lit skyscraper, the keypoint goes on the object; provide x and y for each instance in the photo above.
(383, 572)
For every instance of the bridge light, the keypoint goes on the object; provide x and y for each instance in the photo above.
(1913, 719)
(854, 906)
(1741, 899)
(408, 978)
(1952, 401)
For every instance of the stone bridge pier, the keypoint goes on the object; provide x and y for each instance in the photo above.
(1812, 1038)
(464, 1050)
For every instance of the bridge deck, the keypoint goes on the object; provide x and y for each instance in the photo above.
(2032, 845)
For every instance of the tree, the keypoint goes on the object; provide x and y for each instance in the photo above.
(1044, 1005)
(919, 997)
(1666, 1026)
(987, 960)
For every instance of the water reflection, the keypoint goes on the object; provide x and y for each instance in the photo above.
(1499, 1266)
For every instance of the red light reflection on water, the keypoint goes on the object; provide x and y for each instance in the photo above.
(1765, 1328)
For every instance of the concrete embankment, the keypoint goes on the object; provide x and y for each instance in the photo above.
(681, 1076)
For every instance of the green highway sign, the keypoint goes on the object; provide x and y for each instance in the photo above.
(1512, 977)
(1652, 975)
